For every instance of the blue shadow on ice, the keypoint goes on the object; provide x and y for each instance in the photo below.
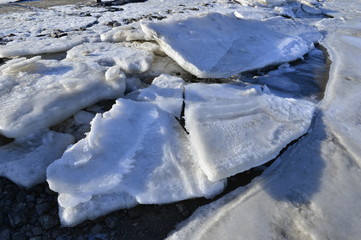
(296, 175)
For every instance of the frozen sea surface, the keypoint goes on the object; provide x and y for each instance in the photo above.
(160, 142)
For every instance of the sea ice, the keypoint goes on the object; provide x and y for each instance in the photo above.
(216, 45)
(37, 93)
(130, 60)
(234, 129)
(312, 191)
(167, 92)
(25, 160)
(137, 153)
(47, 45)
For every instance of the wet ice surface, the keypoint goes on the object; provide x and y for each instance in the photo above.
(157, 158)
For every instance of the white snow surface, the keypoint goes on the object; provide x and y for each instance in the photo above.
(24, 161)
(312, 190)
(216, 45)
(233, 129)
(47, 45)
(136, 152)
(130, 60)
(37, 94)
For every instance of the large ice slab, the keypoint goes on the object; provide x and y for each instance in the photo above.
(135, 153)
(25, 160)
(47, 45)
(37, 93)
(130, 60)
(216, 45)
(233, 130)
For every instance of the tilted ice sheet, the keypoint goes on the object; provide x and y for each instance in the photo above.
(47, 45)
(311, 192)
(135, 153)
(232, 134)
(130, 60)
(25, 160)
(166, 92)
(216, 45)
(37, 93)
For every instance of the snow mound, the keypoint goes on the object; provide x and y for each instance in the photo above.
(233, 130)
(25, 160)
(135, 153)
(37, 94)
(216, 45)
(130, 60)
(47, 45)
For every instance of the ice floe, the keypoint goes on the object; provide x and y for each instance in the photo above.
(130, 60)
(136, 152)
(233, 130)
(24, 161)
(47, 45)
(216, 45)
(37, 93)
(312, 190)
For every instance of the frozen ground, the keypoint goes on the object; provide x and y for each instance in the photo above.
(167, 102)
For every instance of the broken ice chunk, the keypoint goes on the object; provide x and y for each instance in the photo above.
(36, 94)
(165, 91)
(130, 60)
(124, 33)
(47, 45)
(106, 154)
(134, 153)
(25, 160)
(216, 45)
(232, 135)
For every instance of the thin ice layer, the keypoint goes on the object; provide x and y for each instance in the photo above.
(25, 160)
(216, 45)
(47, 45)
(135, 153)
(232, 134)
(36, 94)
(130, 60)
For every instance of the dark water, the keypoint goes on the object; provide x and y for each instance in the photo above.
(305, 78)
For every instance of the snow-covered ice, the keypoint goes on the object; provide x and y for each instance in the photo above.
(47, 45)
(37, 93)
(312, 190)
(136, 152)
(216, 45)
(24, 161)
(130, 60)
(232, 134)
(167, 92)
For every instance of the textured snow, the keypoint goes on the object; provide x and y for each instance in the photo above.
(232, 134)
(37, 93)
(312, 190)
(130, 60)
(47, 45)
(24, 161)
(31, 24)
(136, 152)
(216, 45)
